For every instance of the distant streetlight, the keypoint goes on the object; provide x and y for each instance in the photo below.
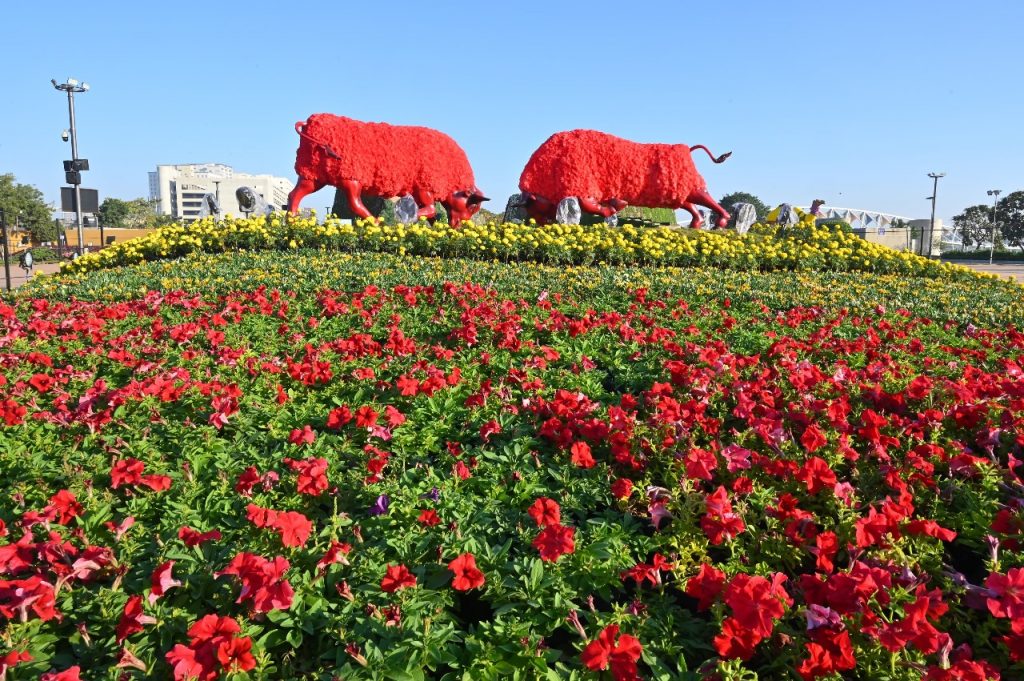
(73, 170)
(931, 229)
(994, 193)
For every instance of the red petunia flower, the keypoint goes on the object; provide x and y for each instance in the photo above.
(338, 417)
(69, 674)
(545, 512)
(157, 483)
(429, 518)
(41, 382)
(193, 538)
(622, 488)
(235, 655)
(366, 416)
(132, 619)
(461, 471)
(161, 580)
(312, 475)
(65, 505)
(305, 436)
(581, 455)
(126, 472)
(293, 527)
(813, 438)
(247, 480)
(397, 577)
(817, 475)
(706, 586)
(622, 655)
(467, 576)
(262, 581)
(554, 541)
(335, 554)
(488, 429)
(1006, 597)
(20, 596)
(11, 659)
(736, 640)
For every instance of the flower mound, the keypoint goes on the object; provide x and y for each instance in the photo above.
(377, 469)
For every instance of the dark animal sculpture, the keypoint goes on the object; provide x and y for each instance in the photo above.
(607, 173)
(378, 159)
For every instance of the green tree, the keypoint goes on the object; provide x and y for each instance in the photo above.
(134, 214)
(1010, 218)
(23, 204)
(974, 225)
(113, 212)
(728, 200)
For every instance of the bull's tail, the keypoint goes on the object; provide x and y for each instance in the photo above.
(716, 160)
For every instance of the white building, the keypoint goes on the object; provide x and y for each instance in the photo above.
(178, 189)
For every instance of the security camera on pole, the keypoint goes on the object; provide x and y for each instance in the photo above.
(73, 168)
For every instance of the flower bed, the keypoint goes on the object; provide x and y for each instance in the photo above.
(803, 247)
(459, 481)
(984, 301)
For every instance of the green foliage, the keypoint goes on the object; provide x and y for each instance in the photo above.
(113, 212)
(639, 216)
(974, 225)
(24, 204)
(41, 254)
(999, 255)
(134, 214)
(834, 223)
(382, 209)
(1010, 218)
(729, 200)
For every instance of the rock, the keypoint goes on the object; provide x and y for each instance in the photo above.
(406, 210)
(515, 209)
(745, 215)
(612, 220)
(568, 211)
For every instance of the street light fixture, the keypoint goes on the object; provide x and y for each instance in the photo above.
(931, 229)
(73, 170)
(994, 193)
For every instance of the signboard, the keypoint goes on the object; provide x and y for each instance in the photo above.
(90, 200)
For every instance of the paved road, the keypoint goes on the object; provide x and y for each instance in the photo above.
(1003, 269)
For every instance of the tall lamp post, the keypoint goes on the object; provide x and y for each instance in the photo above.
(73, 170)
(994, 193)
(931, 229)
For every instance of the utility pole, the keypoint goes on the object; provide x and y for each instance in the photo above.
(73, 169)
(3, 235)
(994, 193)
(931, 229)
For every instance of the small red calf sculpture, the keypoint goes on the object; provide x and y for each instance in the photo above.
(607, 173)
(378, 159)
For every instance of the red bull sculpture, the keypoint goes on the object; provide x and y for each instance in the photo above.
(378, 159)
(607, 173)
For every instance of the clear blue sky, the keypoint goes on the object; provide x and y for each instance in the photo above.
(853, 103)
